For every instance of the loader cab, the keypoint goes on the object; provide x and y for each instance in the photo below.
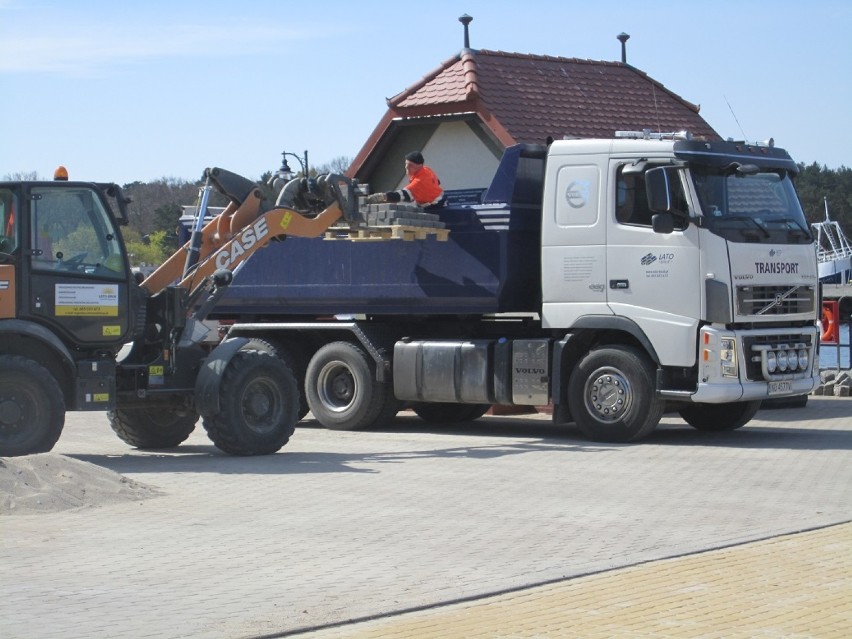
(71, 274)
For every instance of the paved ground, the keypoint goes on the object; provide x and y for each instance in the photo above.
(413, 532)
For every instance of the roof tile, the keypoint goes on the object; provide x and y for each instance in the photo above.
(536, 96)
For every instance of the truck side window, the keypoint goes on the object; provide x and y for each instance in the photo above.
(631, 202)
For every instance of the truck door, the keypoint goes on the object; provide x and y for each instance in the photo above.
(653, 278)
(573, 239)
(78, 284)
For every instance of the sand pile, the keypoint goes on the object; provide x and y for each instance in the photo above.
(48, 483)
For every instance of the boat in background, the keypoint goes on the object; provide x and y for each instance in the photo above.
(834, 252)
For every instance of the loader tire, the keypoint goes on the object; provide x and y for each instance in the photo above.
(32, 407)
(259, 404)
(292, 356)
(342, 391)
(153, 428)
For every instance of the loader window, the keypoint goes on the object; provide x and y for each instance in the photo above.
(631, 202)
(8, 224)
(72, 232)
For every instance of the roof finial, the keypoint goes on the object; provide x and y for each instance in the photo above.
(466, 20)
(623, 38)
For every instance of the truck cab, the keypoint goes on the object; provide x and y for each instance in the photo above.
(699, 249)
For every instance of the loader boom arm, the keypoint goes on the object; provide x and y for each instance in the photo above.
(242, 228)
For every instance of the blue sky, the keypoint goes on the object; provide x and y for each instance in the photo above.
(125, 91)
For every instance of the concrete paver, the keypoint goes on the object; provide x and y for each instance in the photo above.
(790, 586)
(340, 527)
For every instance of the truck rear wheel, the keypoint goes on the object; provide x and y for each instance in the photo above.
(259, 404)
(612, 395)
(156, 427)
(32, 407)
(719, 417)
(440, 412)
(341, 388)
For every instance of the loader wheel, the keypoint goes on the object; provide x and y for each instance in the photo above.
(32, 407)
(719, 417)
(341, 388)
(152, 428)
(612, 395)
(293, 357)
(259, 403)
(447, 412)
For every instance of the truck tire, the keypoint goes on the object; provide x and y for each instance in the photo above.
(259, 403)
(612, 395)
(152, 428)
(719, 417)
(440, 412)
(32, 407)
(390, 407)
(342, 391)
(292, 357)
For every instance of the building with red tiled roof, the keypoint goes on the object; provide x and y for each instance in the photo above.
(475, 104)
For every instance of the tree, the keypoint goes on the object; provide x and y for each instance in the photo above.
(21, 176)
(156, 206)
(150, 250)
(816, 184)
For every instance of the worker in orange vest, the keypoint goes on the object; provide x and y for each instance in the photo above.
(423, 188)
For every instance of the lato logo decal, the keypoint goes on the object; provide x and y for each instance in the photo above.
(650, 258)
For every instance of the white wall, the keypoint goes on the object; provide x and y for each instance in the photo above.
(459, 157)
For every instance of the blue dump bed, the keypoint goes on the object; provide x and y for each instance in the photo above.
(490, 262)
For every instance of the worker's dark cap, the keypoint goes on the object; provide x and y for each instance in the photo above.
(414, 156)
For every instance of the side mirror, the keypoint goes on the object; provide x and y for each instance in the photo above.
(658, 185)
(662, 223)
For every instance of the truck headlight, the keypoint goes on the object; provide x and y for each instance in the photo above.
(792, 359)
(782, 360)
(771, 362)
(803, 359)
(728, 356)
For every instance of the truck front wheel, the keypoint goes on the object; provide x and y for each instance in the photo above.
(259, 405)
(341, 389)
(32, 408)
(159, 426)
(612, 395)
(719, 417)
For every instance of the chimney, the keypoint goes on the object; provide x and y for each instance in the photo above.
(623, 38)
(466, 20)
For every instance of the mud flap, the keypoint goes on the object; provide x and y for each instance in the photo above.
(209, 380)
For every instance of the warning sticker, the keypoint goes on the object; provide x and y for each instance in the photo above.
(87, 300)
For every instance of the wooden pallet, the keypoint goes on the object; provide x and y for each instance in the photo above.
(383, 233)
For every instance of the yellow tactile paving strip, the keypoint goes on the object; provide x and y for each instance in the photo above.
(793, 586)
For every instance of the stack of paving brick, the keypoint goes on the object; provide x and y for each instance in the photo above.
(389, 222)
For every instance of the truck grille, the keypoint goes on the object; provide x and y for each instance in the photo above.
(775, 300)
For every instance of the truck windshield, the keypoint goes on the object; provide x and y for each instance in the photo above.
(762, 207)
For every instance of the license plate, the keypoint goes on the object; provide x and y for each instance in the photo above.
(780, 388)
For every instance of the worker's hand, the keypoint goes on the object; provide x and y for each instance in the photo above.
(376, 198)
